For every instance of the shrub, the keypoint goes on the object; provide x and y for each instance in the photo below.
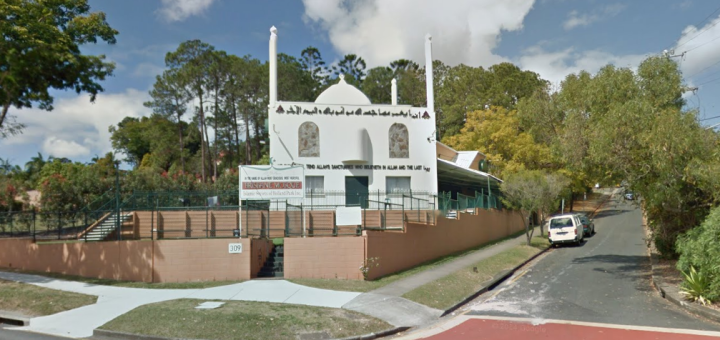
(699, 250)
(696, 286)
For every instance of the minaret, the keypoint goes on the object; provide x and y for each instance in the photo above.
(393, 89)
(429, 74)
(273, 67)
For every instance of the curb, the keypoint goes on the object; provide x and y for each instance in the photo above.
(102, 334)
(494, 282)
(377, 335)
(666, 293)
(14, 319)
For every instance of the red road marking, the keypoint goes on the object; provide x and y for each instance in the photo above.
(501, 330)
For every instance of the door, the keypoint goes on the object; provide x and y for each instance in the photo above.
(356, 191)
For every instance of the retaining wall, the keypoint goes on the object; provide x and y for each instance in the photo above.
(147, 261)
(421, 243)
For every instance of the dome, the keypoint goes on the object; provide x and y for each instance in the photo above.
(342, 93)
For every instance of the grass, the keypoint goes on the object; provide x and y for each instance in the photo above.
(452, 289)
(366, 286)
(32, 300)
(242, 320)
(128, 284)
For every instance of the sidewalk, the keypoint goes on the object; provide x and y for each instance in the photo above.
(400, 287)
(115, 301)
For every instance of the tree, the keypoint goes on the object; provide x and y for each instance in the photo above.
(313, 63)
(170, 100)
(353, 67)
(496, 133)
(525, 192)
(41, 50)
(555, 183)
(462, 89)
(377, 85)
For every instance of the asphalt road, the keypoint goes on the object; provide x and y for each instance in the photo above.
(605, 280)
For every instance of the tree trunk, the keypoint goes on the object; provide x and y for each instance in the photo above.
(236, 129)
(5, 109)
(248, 155)
(182, 146)
(528, 231)
(215, 146)
(202, 139)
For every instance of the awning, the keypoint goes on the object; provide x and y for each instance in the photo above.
(452, 176)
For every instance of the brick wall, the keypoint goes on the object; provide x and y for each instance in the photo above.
(117, 260)
(421, 243)
(201, 260)
(324, 257)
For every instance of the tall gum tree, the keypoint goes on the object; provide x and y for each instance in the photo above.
(40, 50)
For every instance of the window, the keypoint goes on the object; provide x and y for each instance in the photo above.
(399, 143)
(315, 184)
(395, 185)
(308, 140)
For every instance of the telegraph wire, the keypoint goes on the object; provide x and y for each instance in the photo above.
(702, 30)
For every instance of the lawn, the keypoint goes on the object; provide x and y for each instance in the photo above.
(454, 288)
(32, 300)
(243, 320)
(366, 286)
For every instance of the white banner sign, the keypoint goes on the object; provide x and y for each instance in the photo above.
(348, 216)
(266, 182)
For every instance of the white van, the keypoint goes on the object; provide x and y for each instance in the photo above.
(565, 228)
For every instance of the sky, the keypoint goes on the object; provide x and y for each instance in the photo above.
(551, 37)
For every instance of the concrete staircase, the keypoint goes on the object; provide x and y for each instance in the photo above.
(105, 228)
(274, 263)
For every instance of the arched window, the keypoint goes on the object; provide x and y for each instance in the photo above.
(399, 141)
(308, 140)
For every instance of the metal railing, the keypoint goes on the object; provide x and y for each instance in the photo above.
(205, 218)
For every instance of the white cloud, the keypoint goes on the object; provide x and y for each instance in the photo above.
(56, 147)
(380, 31)
(76, 127)
(577, 19)
(702, 47)
(556, 65)
(179, 10)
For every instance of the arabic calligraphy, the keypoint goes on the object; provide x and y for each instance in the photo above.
(297, 110)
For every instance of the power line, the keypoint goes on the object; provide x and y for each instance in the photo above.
(704, 119)
(703, 30)
(703, 70)
(703, 44)
(709, 81)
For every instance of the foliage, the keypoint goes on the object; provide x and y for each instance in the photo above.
(369, 264)
(699, 249)
(41, 50)
(496, 133)
(462, 89)
(525, 192)
(696, 286)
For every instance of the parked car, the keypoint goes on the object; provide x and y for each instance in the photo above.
(588, 224)
(566, 228)
(629, 196)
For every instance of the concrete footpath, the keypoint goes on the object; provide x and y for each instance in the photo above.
(115, 301)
